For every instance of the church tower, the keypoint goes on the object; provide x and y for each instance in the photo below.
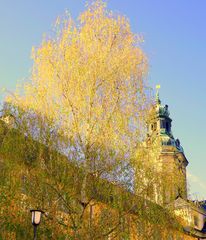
(172, 160)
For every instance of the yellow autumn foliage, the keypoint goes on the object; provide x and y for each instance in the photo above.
(89, 79)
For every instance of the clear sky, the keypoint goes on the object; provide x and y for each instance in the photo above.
(175, 43)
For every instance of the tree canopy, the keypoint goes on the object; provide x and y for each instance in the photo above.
(88, 80)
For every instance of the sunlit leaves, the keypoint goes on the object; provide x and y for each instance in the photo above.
(89, 78)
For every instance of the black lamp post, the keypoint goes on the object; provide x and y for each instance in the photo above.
(36, 218)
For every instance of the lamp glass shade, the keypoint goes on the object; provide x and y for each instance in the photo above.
(36, 217)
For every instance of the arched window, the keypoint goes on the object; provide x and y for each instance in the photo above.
(196, 221)
(167, 127)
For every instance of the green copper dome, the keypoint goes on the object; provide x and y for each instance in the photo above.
(161, 126)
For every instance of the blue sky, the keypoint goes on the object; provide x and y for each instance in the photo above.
(175, 43)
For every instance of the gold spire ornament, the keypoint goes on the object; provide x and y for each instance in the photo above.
(158, 86)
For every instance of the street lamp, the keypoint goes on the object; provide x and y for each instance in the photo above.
(36, 218)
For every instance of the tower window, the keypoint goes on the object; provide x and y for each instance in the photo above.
(196, 221)
(162, 124)
(167, 127)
